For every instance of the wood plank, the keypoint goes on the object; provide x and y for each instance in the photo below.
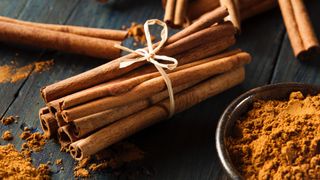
(180, 148)
(290, 69)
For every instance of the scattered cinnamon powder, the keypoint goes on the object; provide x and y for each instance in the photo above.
(12, 73)
(8, 120)
(7, 136)
(137, 32)
(59, 162)
(113, 157)
(14, 165)
(35, 141)
(279, 139)
(24, 135)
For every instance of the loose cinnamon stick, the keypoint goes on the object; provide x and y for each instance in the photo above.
(59, 119)
(180, 13)
(169, 12)
(111, 70)
(117, 35)
(300, 31)
(153, 86)
(67, 42)
(234, 12)
(48, 123)
(132, 124)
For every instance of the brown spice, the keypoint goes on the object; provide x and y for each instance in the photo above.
(279, 139)
(36, 141)
(8, 120)
(59, 162)
(7, 136)
(14, 165)
(81, 173)
(24, 135)
(98, 167)
(137, 32)
(12, 73)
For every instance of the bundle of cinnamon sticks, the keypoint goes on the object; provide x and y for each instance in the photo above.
(93, 42)
(93, 110)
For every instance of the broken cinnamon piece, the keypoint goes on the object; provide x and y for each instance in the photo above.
(58, 162)
(137, 32)
(98, 167)
(7, 120)
(24, 135)
(81, 172)
(7, 136)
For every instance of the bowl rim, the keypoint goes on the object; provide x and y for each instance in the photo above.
(222, 151)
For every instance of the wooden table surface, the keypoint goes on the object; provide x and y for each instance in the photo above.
(180, 148)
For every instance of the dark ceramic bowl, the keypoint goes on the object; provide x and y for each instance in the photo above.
(242, 105)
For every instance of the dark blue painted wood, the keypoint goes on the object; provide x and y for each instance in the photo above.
(180, 148)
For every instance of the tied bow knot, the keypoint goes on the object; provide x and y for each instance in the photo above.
(151, 56)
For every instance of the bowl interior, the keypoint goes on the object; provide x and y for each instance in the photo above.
(240, 106)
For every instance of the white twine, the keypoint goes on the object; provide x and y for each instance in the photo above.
(152, 57)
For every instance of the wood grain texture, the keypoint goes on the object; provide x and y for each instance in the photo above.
(180, 148)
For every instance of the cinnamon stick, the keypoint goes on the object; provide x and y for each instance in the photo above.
(65, 136)
(233, 7)
(67, 42)
(180, 13)
(88, 124)
(169, 12)
(109, 34)
(153, 86)
(111, 70)
(48, 123)
(59, 119)
(303, 39)
(132, 124)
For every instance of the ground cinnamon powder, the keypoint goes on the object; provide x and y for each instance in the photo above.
(279, 139)
(12, 73)
(14, 165)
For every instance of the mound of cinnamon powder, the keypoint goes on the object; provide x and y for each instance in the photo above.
(15, 165)
(279, 139)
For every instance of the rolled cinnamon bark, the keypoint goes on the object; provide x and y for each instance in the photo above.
(65, 136)
(303, 40)
(67, 42)
(88, 124)
(117, 35)
(48, 123)
(234, 12)
(132, 124)
(180, 13)
(156, 85)
(111, 70)
(169, 12)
